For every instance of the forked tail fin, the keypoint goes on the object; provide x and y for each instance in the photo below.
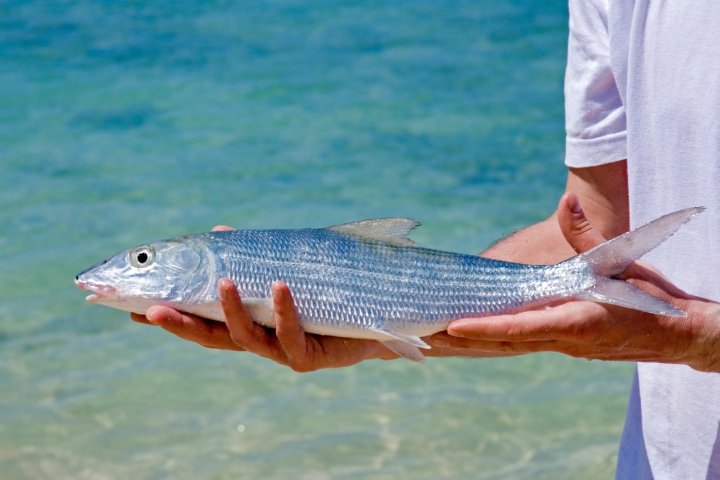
(614, 256)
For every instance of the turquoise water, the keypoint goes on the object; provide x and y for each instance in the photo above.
(121, 124)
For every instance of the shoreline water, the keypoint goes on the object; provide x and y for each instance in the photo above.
(124, 124)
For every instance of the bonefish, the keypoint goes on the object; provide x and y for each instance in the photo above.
(366, 279)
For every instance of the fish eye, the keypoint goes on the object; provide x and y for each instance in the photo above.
(142, 257)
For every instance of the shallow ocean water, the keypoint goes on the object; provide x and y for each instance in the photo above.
(126, 123)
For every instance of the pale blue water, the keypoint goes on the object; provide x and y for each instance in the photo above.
(124, 123)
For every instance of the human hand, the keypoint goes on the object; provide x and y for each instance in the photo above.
(598, 331)
(288, 344)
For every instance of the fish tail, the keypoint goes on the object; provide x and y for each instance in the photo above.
(614, 256)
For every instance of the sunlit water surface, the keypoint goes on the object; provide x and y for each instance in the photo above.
(126, 123)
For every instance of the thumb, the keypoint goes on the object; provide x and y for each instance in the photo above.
(576, 228)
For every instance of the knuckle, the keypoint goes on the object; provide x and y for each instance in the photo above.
(585, 331)
(517, 333)
(581, 227)
(300, 367)
(238, 341)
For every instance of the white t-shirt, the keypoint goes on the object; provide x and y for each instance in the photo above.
(643, 83)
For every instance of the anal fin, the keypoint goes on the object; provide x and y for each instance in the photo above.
(407, 346)
(411, 339)
(405, 350)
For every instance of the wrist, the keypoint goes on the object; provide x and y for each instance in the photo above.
(704, 317)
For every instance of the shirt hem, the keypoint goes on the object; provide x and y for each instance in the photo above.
(591, 152)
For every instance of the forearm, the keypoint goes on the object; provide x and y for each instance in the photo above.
(602, 191)
(540, 244)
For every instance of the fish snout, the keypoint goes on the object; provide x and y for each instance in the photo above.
(99, 291)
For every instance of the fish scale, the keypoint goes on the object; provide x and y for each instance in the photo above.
(366, 279)
(338, 268)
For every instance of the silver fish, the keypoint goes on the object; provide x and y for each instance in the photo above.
(366, 279)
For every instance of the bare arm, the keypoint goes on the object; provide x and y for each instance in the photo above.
(595, 331)
(603, 193)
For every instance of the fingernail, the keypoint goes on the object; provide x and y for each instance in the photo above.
(149, 315)
(461, 331)
(279, 291)
(458, 333)
(574, 204)
(223, 282)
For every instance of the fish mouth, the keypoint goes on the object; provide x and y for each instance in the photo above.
(99, 291)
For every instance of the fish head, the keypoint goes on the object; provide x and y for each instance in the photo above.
(169, 272)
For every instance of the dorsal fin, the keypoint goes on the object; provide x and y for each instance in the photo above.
(389, 230)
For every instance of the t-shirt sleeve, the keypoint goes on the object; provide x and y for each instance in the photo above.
(594, 112)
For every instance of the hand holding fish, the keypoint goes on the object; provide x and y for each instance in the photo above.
(362, 280)
(601, 331)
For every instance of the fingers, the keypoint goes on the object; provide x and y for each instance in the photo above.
(576, 228)
(307, 353)
(572, 320)
(136, 317)
(189, 327)
(221, 228)
(287, 326)
(463, 347)
(447, 345)
(243, 331)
